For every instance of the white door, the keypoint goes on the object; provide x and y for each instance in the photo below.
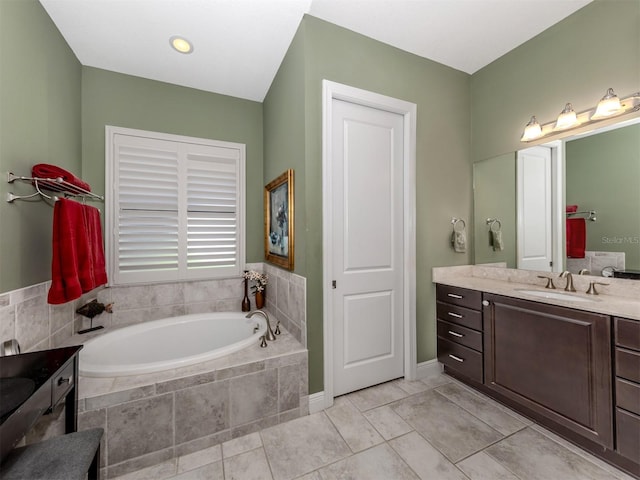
(535, 220)
(367, 211)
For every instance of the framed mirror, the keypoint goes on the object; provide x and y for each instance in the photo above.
(598, 171)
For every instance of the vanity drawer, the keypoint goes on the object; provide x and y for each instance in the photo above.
(627, 333)
(462, 335)
(628, 364)
(459, 296)
(460, 315)
(462, 359)
(628, 432)
(61, 383)
(628, 395)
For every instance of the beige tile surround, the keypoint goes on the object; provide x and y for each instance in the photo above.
(155, 417)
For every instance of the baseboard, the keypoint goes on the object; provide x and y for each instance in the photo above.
(428, 368)
(316, 402)
(423, 370)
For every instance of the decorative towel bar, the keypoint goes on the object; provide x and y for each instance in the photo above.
(591, 214)
(492, 221)
(50, 184)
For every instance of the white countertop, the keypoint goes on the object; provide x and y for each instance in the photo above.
(619, 298)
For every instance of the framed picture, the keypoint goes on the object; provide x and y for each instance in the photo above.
(278, 221)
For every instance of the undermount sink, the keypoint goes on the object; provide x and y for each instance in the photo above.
(556, 295)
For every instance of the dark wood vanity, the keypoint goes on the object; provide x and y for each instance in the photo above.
(32, 385)
(573, 371)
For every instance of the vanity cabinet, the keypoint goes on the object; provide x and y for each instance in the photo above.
(459, 326)
(552, 360)
(627, 382)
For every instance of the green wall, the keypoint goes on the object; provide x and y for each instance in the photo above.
(284, 138)
(603, 174)
(575, 61)
(494, 191)
(443, 174)
(39, 123)
(119, 100)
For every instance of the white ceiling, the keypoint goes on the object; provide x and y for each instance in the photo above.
(239, 44)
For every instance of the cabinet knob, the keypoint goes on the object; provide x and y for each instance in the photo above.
(485, 303)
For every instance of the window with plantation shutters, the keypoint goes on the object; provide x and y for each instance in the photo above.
(176, 208)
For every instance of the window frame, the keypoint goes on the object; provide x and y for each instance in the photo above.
(182, 274)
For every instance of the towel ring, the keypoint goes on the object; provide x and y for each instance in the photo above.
(492, 221)
(456, 221)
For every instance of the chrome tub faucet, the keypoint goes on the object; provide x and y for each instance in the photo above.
(269, 335)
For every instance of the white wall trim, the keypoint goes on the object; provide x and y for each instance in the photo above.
(316, 402)
(428, 369)
(331, 91)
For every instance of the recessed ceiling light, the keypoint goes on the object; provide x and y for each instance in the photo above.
(181, 44)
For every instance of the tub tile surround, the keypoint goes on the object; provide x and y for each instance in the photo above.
(286, 300)
(26, 316)
(152, 418)
(596, 261)
(149, 419)
(620, 297)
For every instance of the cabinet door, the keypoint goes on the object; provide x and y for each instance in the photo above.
(554, 360)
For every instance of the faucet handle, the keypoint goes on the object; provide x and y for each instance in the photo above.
(592, 288)
(277, 330)
(263, 342)
(549, 282)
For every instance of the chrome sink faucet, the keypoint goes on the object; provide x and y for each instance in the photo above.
(569, 286)
(269, 334)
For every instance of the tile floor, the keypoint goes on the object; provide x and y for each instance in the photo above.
(435, 428)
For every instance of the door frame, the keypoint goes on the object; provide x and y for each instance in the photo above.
(336, 91)
(558, 216)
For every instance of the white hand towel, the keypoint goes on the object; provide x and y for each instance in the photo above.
(459, 241)
(498, 244)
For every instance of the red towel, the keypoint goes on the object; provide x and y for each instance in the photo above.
(45, 170)
(576, 237)
(77, 264)
(572, 208)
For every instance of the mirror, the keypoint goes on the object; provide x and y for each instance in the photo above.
(602, 173)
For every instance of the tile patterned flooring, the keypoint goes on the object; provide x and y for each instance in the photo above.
(435, 428)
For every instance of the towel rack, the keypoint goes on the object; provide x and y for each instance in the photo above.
(50, 184)
(591, 214)
(492, 221)
(456, 222)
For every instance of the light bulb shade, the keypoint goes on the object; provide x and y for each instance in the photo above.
(567, 118)
(609, 105)
(532, 131)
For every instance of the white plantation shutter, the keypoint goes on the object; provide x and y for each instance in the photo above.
(177, 209)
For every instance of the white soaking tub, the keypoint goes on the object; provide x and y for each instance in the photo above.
(169, 343)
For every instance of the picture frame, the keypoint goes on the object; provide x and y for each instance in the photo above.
(279, 244)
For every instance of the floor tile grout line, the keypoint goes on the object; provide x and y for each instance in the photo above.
(432, 446)
(481, 420)
(489, 445)
(502, 465)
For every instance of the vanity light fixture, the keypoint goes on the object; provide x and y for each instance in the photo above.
(610, 106)
(567, 118)
(532, 130)
(607, 106)
(181, 44)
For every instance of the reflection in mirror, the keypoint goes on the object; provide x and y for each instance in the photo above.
(602, 174)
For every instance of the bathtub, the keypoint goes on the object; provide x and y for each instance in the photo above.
(169, 343)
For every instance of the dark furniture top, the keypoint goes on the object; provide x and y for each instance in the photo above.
(32, 384)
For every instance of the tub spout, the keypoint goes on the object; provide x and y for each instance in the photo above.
(269, 334)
